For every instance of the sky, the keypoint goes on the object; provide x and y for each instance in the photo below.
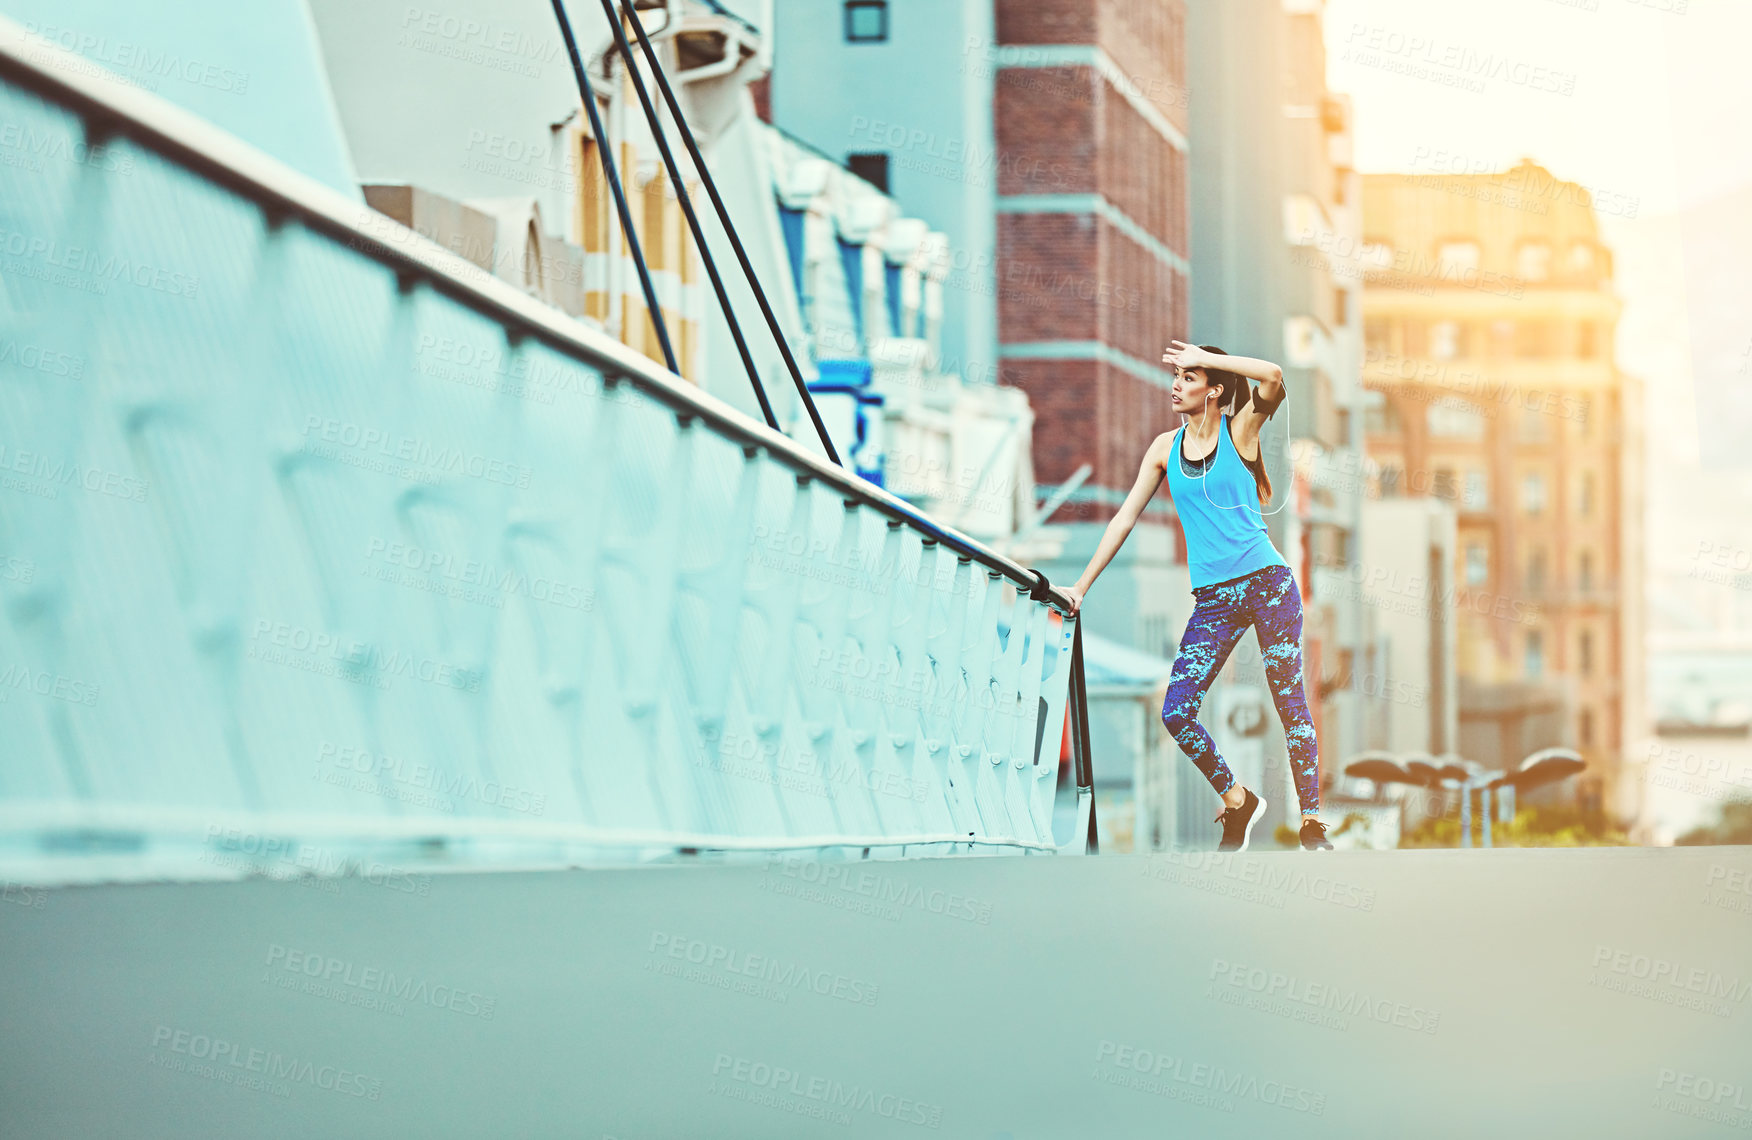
(1648, 103)
(1647, 98)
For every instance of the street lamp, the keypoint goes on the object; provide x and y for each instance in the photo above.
(1420, 769)
(1546, 766)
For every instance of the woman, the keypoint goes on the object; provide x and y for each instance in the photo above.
(1212, 462)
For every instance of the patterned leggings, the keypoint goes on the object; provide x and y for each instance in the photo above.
(1269, 600)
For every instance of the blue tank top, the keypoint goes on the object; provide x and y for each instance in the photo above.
(1220, 544)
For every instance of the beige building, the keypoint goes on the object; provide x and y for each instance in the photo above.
(1489, 321)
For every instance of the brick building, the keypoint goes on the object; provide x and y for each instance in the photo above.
(1047, 139)
(1489, 324)
(1092, 206)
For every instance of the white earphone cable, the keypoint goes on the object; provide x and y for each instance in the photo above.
(1213, 462)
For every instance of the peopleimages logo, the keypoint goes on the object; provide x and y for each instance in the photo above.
(101, 267)
(447, 787)
(372, 980)
(281, 643)
(1666, 981)
(849, 878)
(1204, 869)
(376, 449)
(1718, 1093)
(716, 956)
(42, 475)
(135, 61)
(231, 1063)
(1148, 1071)
(827, 1092)
(1317, 996)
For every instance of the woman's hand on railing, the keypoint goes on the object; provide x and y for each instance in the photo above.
(1075, 595)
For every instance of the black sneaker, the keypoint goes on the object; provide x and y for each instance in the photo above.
(1238, 822)
(1314, 836)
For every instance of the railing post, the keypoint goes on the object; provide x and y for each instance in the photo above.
(1082, 767)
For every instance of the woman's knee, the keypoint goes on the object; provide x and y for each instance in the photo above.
(1179, 720)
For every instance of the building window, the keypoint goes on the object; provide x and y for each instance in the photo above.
(1477, 491)
(1477, 564)
(1448, 340)
(1534, 427)
(1533, 493)
(1585, 571)
(1340, 308)
(1456, 419)
(1585, 653)
(1455, 258)
(1533, 664)
(1587, 728)
(1382, 418)
(1376, 254)
(1582, 259)
(1444, 485)
(1390, 477)
(1585, 496)
(1533, 262)
(866, 21)
(1502, 338)
(1536, 570)
(871, 167)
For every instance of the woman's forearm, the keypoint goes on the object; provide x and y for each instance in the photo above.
(1111, 540)
(1263, 371)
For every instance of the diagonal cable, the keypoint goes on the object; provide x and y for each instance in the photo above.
(604, 145)
(711, 186)
(693, 221)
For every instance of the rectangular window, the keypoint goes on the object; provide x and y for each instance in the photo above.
(1445, 486)
(1502, 338)
(1390, 476)
(1448, 340)
(1477, 564)
(1533, 493)
(1586, 653)
(1536, 571)
(1454, 418)
(1587, 728)
(1534, 662)
(1381, 419)
(1456, 258)
(871, 167)
(1534, 425)
(1477, 491)
(866, 21)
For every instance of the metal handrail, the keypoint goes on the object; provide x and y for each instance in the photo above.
(112, 108)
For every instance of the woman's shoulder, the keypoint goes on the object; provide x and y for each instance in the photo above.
(1161, 451)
